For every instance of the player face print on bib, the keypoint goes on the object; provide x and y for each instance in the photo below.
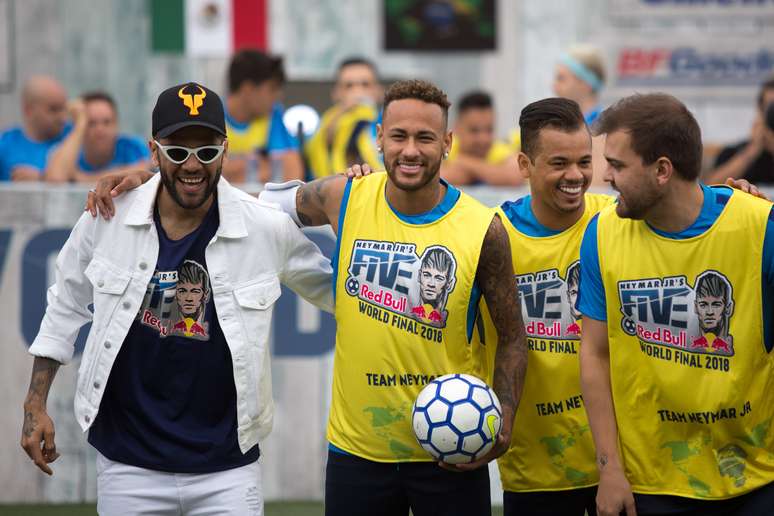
(670, 312)
(393, 276)
(548, 303)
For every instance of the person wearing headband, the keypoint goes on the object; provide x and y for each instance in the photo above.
(580, 76)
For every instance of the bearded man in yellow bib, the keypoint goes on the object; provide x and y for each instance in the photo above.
(677, 291)
(413, 256)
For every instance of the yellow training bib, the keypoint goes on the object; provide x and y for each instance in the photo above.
(248, 139)
(352, 136)
(551, 444)
(692, 383)
(405, 305)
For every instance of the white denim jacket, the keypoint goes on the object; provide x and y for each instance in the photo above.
(110, 263)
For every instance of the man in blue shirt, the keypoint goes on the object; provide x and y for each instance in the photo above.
(24, 149)
(94, 145)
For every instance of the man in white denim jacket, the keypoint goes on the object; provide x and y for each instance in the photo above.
(174, 384)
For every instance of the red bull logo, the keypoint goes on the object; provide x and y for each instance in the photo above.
(663, 336)
(384, 298)
(541, 329)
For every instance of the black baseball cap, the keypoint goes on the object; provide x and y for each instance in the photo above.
(186, 105)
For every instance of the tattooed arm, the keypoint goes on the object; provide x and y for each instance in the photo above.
(66, 312)
(38, 427)
(318, 202)
(495, 277)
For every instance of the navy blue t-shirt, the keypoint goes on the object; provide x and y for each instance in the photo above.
(170, 400)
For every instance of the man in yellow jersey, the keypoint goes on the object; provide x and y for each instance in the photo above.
(476, 156)
(403, 232)
(549, 469)
(677, 292)
(256, 134)
(347, 132)
(388, 227)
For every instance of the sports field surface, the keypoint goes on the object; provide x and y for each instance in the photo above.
(272, 509)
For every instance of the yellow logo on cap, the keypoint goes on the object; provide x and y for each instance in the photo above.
(192, 101)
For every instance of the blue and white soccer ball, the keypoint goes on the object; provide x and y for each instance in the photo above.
(457, 418)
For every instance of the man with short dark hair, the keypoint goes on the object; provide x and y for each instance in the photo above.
(24, 149)
(94, 145)
(258, 139)
(684, 427)
(476, 156)
(347, 132)
(752, 159)
(549, 468)
(174, 388)
(375, 464)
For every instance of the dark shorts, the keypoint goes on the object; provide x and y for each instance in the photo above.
(573, 502)
(756, 503)
(358, 487)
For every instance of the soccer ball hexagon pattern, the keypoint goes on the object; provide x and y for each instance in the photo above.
(457, 418)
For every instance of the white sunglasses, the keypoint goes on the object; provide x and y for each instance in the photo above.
(179, 155)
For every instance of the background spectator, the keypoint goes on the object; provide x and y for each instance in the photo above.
(256, 133)
(347, 130)
(580, 75)
(752, 159)
(24, 149)
(476, 156)
(94, 146)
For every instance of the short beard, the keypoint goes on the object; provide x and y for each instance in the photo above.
(432, 170)
(637, 209)
(168, 180)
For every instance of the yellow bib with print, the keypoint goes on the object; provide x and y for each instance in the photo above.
(692, 383)
(403, 312)
(325, 160)
(551, 444)
(250, 139)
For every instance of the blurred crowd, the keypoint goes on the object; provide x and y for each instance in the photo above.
(62, 141)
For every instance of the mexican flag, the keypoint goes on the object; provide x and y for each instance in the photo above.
(208, 28)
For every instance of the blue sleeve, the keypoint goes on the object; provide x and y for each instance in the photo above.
(279, 138)
(5, 172)
(768, 251)
(591, 293)
(142, 153)
(768, 283)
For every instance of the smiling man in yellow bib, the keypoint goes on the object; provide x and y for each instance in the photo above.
(677, 293)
